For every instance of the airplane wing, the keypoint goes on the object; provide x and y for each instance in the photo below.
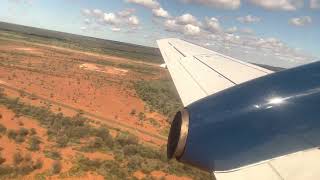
(283, 139)
(198, 72)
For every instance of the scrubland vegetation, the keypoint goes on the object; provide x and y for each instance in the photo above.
(160, 95)
(129, 154)
(84, 121)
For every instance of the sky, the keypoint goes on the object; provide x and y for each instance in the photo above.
(282, 33)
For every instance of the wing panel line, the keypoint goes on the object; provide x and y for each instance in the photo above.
(215, 70)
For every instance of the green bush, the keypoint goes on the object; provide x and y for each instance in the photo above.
(104, 135)
(3, 129)
(126, 139)
(52, 155)
(150, 165)
(33, 131)
(34, 143)
(18, 135)
(38, 164)
(62, 141)
(2, 160)
(130, 150)
(6, 170)
(85, 164)
(17, 158)
(134, 163)
(56, 167)
(12, 134)
(160, 95)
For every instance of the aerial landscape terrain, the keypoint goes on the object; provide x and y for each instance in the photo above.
(74, 107)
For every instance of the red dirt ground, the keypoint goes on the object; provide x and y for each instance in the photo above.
(73, 78)
(106, 92)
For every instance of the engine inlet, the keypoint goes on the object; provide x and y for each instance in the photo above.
(178, 134)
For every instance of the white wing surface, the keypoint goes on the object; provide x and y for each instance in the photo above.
(198, 72)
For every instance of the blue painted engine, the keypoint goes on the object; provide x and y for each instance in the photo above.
(255, 121)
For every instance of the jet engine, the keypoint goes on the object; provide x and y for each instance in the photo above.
(265, 118)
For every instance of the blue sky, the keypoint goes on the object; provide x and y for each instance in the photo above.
(277, 32)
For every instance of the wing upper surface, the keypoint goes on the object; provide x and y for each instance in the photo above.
(198, 72)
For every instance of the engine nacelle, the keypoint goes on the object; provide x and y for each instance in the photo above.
(253, 122)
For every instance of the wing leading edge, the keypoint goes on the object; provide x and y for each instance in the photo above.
(198, 72)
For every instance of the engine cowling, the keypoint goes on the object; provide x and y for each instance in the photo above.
(253, 122)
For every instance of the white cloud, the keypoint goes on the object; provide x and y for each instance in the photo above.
(126, 12)
(134, 20)
(86, 12)
(192, 30)
(152, 4)
(224, 4)
(249, 19)
(232, 30)
(187, 19)
(315, 4)
(246, 31)
(97, 12)
(284, 5)
(110, 18)
(160, 12)
(115, 29)
(300, 21)
(87, 21)
(123, 21)
(171, 25)
(83, 28)
(213, 25)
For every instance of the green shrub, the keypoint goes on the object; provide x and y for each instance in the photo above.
(130, 150)
(154, 122)
(38, 164)
(33, 131)
(62, 141)
(18, 135)
(3, 129)
(52, 155)
(141, 116)
(85, 164)
(2, 160)
(12, 134)
(17, 158)
(56, 167)
(6, 170)
(34, 143)
(126, 139)
(150, 165)
(160, 95)
(104, 135)
(23, 132)
(134, 163)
